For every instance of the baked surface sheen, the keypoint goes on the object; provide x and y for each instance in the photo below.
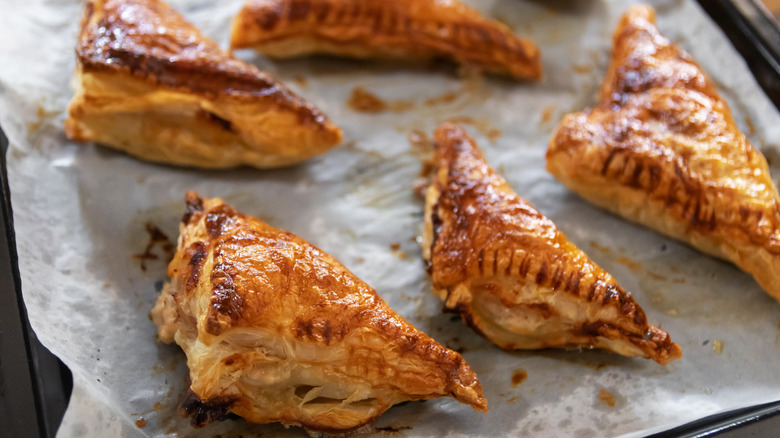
(384, 29)
(662, 149)
(150, 84)
(512, 275)
(276, 330)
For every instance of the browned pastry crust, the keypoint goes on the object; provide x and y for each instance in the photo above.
(276, 330)
(662, 149)
(384, 29)
(512, 275)
(150, 84)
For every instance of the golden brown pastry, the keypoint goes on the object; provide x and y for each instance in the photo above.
(512, 275)
(662, 149)
(150, 84)
(276, 330)
(411, 29)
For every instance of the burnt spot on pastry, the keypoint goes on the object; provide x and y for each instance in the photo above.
(219, 219)
(592, 329)
(543, 309)
(299, 9)
(197, 255)
(202, 413)
(541, 275)
(318, 329)
(557, 277)
(232, 359)
(194, 206)
(320, 10)
(269, 17)
(573, 282)
(226, 303)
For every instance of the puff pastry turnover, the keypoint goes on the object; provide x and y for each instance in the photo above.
(276, 330)
(662, 149)
(384, 29)
(150, 84)
(512, 275)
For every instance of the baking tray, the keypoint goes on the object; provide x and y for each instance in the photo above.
(35, 386)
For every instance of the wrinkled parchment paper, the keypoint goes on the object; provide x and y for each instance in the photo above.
(80, 213)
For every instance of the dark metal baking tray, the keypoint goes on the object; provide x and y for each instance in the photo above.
(35, 386)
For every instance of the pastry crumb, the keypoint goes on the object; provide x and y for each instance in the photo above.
(751, 127)
(493, 135)
(421, 183)
(395, 246)
(656, 276)
(364, 101)
(401, 255)
(582, 69)
(518, 377)
(140, 423)
(547, 114)
(607, 398)
(301, 80)
(717, 346)
(443, 99)
(600, 248)
(419, 139)
(630, 264)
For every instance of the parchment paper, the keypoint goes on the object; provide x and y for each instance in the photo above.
(80, 212)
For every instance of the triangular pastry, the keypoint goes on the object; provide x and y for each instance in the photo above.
(274, 329)
(512, 275)
(411, 29)
(150, 84)
(662, 149)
